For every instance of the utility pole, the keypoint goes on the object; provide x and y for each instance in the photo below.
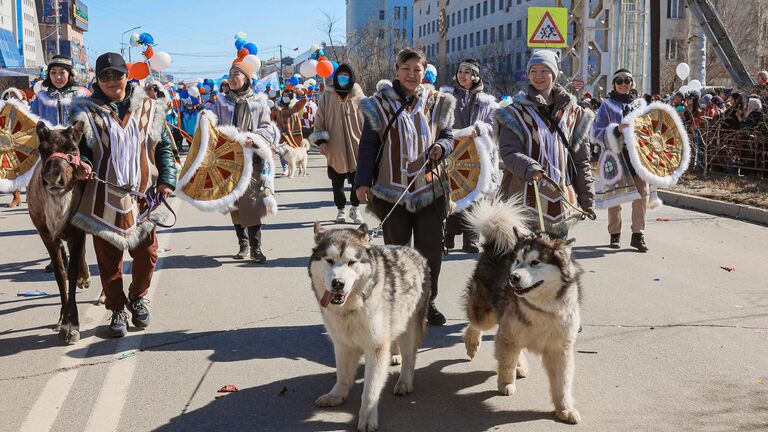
(281, 64)
(58, 26)
(655, 47)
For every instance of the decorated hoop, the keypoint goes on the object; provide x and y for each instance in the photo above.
(610, 169)
(218, 168)
(469, 169)
(657, 144)
(18, 146)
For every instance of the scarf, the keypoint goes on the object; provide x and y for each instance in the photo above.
(469, 97)
(624, 99)
(242, 114)
(406, 122)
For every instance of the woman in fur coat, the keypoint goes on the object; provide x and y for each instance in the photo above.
(474, 111)
(338, 126)
(247, 111)
(407, 130)
(544, 131)
(608, 131)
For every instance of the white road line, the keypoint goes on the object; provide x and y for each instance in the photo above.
(48, 405)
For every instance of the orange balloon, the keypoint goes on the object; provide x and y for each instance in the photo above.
(242, 52)
(138, 70)
(149, 52)
(324, 68)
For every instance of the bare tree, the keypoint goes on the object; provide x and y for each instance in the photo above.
(371, 52)
(329, 28)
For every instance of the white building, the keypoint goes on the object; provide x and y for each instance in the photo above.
(19, 35)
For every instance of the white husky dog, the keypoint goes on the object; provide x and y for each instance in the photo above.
(295, 157)
(374, 301)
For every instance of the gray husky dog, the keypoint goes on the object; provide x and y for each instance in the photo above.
(374, 302)
(529, 285)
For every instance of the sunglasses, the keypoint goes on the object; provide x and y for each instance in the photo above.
(622, 81)
(111, 76)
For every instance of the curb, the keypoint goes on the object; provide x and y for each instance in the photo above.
(710, 206)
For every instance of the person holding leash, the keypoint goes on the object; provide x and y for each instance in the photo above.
(407, 131)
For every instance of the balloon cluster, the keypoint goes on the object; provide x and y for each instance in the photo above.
(318, 64)
(246, 51)
(156, 61)
(693, 86)
(431, 74)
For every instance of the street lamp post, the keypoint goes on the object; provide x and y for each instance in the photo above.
(122, 43)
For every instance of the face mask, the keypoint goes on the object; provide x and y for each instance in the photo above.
(286, 99)
(343, 80)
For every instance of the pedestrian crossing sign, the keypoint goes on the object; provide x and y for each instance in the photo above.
(547, 27)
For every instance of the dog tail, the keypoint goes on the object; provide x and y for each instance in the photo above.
(305, 144)
(500, 223)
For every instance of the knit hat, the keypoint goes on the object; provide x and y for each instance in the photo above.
(245, 68)
(707, 98)
(548, 58)
(62, 62)
(718, 101)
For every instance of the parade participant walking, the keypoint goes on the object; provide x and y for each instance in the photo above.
(308, 117)
(608, 131)
(338, 126)
(13, 93)
(407, 129)
(127, 145)
(244, 109)
(474, 109)
(545, 131)
(53, 102)
(286, 115)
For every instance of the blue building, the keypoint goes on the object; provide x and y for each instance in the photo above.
(394, 16)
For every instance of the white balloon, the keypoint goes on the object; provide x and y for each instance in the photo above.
(310, 82)
(683, 70)
(135, 40)
(695, 85)
(308, 68)
(684, 90)
(431, 67)
(240, 35)
(270, 103)
(272, 92)
(37, 87)
(254, 61)
(194, 92)
(159, 61)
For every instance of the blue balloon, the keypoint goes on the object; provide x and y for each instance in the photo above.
(184, 94)
(320, 53)
(335, 66)
(294, 81)
(251, 47)
(311, 88)
(239, 44)
(313, 56)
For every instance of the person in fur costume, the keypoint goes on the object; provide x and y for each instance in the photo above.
(12, 93)
(248, 112)
(391, 157)
(608, 131)
(126, 143)
(474, 110)
(338, 126)
(287, 115)
(545, 131)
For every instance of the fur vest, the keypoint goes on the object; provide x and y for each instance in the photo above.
(432, 114)
(123, 154)
(339, 125)
(54, 106)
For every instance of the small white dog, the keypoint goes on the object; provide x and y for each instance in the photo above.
(295, 157)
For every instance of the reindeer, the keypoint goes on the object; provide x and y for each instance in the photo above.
(53, 196)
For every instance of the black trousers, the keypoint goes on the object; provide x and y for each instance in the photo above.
(457, 225)
(426, 226)
(337, 183)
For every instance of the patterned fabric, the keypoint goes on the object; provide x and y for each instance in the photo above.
(53, 105)
(308, 115)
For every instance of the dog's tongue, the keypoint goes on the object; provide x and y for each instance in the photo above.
(327, 297)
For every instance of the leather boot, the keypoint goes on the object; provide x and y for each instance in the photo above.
(242, 240)
(470, 241)
(254, 236)
(16, 201)
(638, 242)
(615, 241)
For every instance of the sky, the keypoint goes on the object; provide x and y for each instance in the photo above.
(200, 35)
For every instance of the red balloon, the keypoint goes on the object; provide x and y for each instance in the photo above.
(149, 52)
(324, 68)
(241, 53)
(138, 70)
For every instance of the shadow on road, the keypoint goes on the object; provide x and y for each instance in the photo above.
(438, 403)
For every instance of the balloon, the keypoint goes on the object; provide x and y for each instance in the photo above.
(320, 52)
(431, 67)
(684, 90)
(240, 35)
(242, 52)
(160, 61)
(146, 39)
(335, 66)
(194, 92)
(683, 70)
(239, 44)
(184, 94)
(37, 87)
(325, 68)
(251, 47)
(311, 82)
(254, 61)
(294, 81)
(138, 70)
(134, 40)
(271, 104)
(695, 85)
(272, 93)
(207, 88)
(307, 68)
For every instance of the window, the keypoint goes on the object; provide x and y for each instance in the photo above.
(675, 9)
(465, 42)
(465, 15)
(509, 62)
(673, 49)
(485, 8)
(493, 34)
(501, 5)
(471, 41)
(405, 12)
(518, 60)
(477, 10)
(509, 31)
(519, 1)
(493, 6)
(381, 15)
(397, 12)
(471, 14)
(453, 19)
(419, 31)
(477, 38)
(519, 29)
(501, 33)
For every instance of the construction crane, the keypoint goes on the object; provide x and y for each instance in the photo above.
(713, 27)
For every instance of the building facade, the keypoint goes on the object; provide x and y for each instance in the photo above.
(19, 35)
(390, 18)
(73, 23)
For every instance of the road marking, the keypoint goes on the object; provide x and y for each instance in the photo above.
(46, 409)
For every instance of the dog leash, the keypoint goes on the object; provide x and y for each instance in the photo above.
(561, 192)
(376, 231)
(151, 197)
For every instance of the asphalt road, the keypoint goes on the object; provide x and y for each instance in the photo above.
(671, 341)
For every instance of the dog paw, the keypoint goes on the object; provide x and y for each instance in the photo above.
(329, 400)
(571, 416)
(367, 424)
(403, 388)
(521, 372)
(83, 283)
(471, 343)
(507, 389)
(102, 299)
(397, 359)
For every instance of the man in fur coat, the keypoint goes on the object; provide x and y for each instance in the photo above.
(338, 126)
(126, 143)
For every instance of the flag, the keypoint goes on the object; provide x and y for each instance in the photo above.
(269, 80)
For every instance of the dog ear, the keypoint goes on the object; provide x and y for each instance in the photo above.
(42, 130)
(363, 232)
(319, 232)
(77, 130)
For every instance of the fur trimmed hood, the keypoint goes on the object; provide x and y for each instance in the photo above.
(355, 93)
(385, 89)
